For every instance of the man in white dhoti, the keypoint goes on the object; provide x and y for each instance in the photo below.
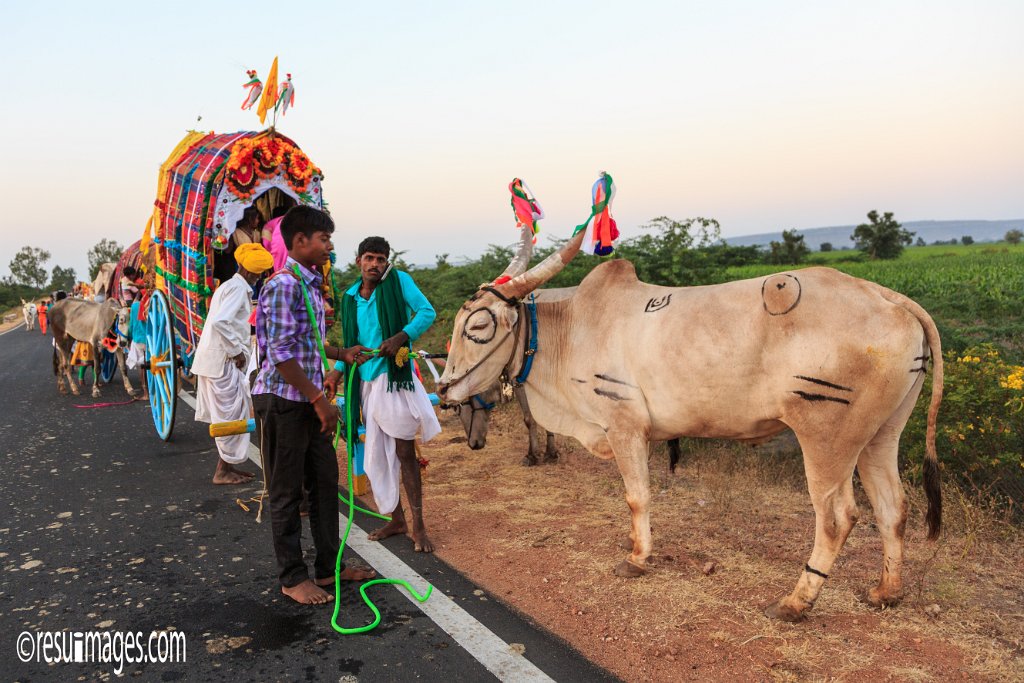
(222, 355)
(385, 309)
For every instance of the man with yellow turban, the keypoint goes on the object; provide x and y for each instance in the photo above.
(222, 356)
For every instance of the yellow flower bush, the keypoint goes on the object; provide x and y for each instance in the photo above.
(981, 421)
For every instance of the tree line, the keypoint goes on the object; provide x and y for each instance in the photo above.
(30, 278)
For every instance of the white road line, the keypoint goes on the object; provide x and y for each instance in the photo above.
(479, 641)
(18, 326)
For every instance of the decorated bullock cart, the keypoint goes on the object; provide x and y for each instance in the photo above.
(203, 189)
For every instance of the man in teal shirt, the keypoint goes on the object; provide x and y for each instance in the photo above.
(385, 310)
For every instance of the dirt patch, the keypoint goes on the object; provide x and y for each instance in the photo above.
(731, 533)
(11, 319)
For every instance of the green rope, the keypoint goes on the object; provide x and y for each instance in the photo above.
(350, 446)
(349, 449)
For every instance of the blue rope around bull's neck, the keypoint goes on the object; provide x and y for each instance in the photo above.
(531, 346)
(481, 403)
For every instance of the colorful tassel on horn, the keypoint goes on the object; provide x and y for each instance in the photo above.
(601, 228)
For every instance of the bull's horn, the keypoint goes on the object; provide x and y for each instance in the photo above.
(517, 266)
(535, 277)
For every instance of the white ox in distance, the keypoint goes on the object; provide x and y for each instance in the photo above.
(839, 360)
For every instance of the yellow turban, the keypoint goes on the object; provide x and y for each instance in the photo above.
(254, 258)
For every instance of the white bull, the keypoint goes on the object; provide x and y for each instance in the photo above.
(29, 310)
(839, 360)
(88, 322)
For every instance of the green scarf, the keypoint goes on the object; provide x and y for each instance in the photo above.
(393, 317)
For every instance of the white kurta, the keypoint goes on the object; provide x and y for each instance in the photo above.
(222, 392)
(226, 330)
(391, 415)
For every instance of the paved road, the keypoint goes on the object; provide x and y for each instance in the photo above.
(103, 527)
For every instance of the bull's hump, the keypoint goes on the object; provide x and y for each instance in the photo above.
(611, 273)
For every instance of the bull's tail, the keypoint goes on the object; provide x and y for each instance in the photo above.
(930, 466)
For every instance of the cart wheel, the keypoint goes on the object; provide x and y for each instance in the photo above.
(108, 366)
(162, 377)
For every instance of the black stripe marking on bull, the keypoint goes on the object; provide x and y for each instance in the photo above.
(658, 303)
(811, 570)
(820, 397)
(610, 394)
(823, 383)
(606, 378)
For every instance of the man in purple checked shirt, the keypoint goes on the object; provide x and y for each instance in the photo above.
(296, 417)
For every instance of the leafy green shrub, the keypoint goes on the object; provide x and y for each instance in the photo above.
(980, 437)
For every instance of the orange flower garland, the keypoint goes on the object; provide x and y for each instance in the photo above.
(255, 158)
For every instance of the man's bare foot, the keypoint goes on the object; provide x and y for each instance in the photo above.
(350, 574)
(229, 477)
(307, 593)
(421, 543)
(392, 528)
(247, 475)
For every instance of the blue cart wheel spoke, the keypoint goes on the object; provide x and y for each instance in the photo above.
(162, 377)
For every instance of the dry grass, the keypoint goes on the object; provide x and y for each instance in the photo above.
(544, 539)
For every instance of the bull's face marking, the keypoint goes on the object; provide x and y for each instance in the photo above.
(658, 303)
(481, 326)
(483, 339)
(780, 293)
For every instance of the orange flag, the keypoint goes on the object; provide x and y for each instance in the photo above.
(269, 98)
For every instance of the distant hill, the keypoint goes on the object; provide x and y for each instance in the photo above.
(930, 231)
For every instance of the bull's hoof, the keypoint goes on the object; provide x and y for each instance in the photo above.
(784, 612)
(880, 599)
(550, 457)
(628, 570)
(626, 543)
(529, 461)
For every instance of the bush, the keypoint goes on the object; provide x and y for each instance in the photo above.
(980, 438)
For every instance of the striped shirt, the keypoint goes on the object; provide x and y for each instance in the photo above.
(284, 331)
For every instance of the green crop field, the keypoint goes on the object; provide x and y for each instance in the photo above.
(975, 293)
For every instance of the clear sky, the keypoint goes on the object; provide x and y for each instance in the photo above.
(764, 115)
